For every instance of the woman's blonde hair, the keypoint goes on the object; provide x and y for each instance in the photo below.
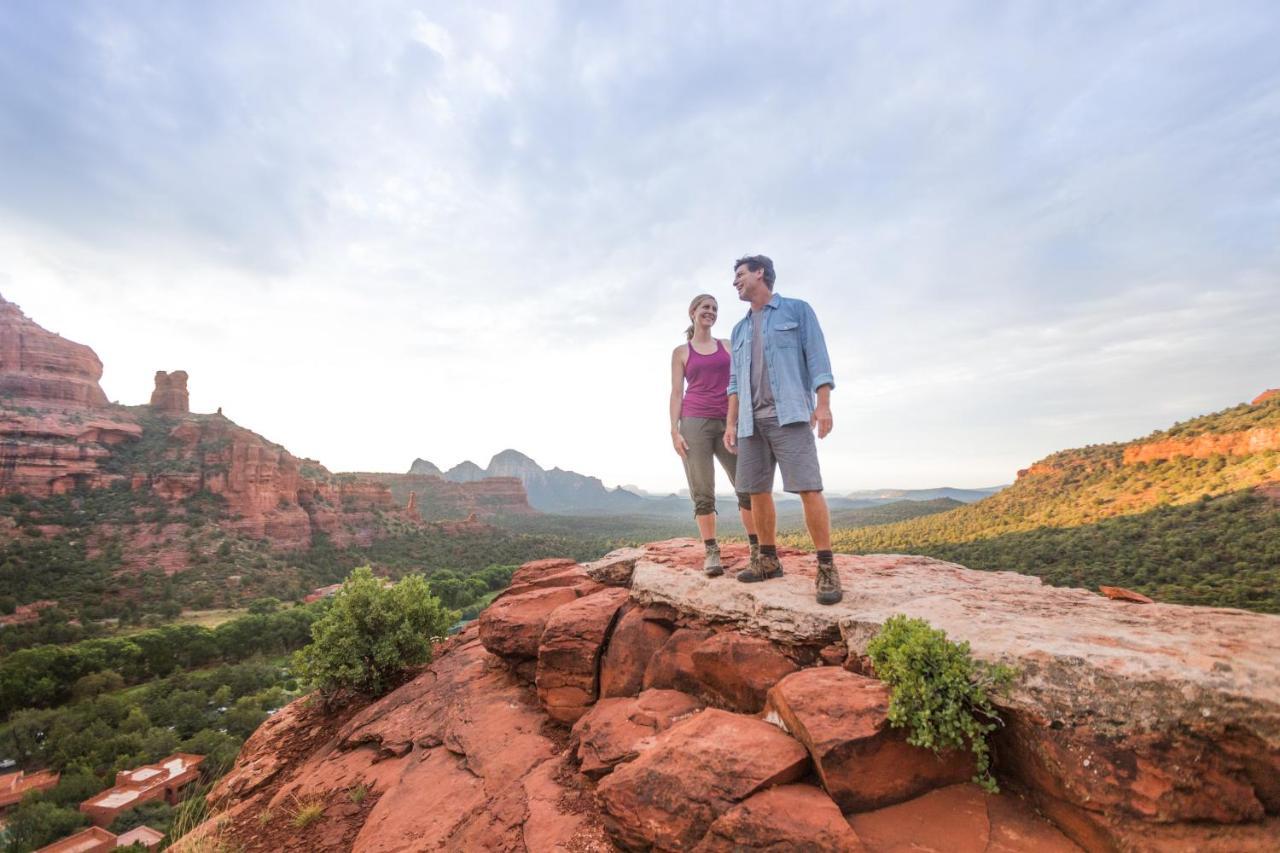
(693, 306)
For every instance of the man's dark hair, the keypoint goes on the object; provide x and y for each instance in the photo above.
(755, 263)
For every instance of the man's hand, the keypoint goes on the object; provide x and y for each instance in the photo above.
(731, 440)
(682, 446)
(821, 419)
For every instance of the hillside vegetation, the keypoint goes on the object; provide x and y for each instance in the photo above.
(1183, 529)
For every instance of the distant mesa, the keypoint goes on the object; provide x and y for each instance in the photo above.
(170, 394)
(1269, 394)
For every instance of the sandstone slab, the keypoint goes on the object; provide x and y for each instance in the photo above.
(634, 642)
(841, 718)
(614, 730)
(692, 774)
(1176, 710)
(569, 653)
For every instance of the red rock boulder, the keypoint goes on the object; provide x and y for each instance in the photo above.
(693, 773)
(794, 818)
(612, 730)
(569, 653)
(841, 718)
(635, 640)
(672, 667)
(738, 670)
(512, 627)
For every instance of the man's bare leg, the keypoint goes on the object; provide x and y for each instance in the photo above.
(817, 518)
(706, 526)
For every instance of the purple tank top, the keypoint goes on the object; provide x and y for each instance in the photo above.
(706, 378)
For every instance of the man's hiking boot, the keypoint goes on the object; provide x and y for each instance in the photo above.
(755, 553)
(762, 568)
(711, 566)
(828, 584)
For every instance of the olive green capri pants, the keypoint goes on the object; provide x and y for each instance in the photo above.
(705, 437)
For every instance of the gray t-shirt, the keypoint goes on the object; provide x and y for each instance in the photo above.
(761, 391)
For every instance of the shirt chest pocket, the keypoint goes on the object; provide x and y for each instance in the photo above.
(786, 335)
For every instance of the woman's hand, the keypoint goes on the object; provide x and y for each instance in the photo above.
(682, 446)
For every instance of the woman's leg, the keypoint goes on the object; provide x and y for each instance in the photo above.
(700, 473)
(729, 462)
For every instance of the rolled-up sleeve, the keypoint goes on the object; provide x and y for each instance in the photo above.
(815, 353)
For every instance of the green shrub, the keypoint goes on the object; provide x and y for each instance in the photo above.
(939, 692)
(371, 633)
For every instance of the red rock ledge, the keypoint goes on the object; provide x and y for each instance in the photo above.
(633, 704)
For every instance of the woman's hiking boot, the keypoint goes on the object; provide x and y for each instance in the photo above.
(711, 565)
(762, 568)
(828, 584)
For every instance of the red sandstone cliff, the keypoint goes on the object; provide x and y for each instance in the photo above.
(634, 704)
(58, 434)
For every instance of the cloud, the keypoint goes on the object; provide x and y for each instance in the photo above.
(1035, 218)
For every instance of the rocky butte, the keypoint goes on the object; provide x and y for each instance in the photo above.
(633, 704)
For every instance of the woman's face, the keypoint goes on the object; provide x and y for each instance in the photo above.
(705, 313)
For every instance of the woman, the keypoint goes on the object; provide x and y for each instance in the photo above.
(699, 377)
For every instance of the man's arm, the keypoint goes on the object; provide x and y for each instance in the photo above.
(819, 364)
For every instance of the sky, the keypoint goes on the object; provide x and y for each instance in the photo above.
(379, 231)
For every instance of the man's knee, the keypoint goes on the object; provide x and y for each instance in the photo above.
(744, 500)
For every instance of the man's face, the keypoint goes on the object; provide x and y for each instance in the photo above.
(748, 283)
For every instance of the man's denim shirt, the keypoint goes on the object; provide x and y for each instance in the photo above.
(797, 357)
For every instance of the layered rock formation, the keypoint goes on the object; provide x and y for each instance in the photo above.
(38, 366)
(634, 704)
(58, 434)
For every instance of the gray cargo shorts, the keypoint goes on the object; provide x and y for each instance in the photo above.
(790, 448)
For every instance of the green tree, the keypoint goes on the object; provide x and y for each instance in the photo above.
(36, 822)
(371, 633)
(264, 606)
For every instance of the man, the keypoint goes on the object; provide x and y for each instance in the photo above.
(779, 391)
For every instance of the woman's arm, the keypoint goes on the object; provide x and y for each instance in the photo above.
(677, 396)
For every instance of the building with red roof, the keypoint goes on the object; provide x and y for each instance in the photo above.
(164, 780)
(15, 786)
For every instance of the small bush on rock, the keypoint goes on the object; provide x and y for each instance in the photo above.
(938, 691)
(371, 633)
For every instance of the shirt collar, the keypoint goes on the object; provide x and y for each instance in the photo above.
(772, 303)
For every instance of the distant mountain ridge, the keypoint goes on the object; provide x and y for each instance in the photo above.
(553, 490)
(568, 492)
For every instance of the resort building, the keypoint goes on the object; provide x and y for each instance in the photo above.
(95, 839)
(164, 780)
(14, 786)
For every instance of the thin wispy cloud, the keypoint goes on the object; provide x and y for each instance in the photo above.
(426, 229)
